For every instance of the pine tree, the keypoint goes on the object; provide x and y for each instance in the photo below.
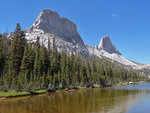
(17, 50)
(54, 62)
(37, 54)
(25, 66)
(93, 71)
(74, 73)
(49, 45)
(78, 60)
(18, 28)
(49, 54)
(83, 75)
(43, 61)
(2, 57)
(31, 58)
(48, 79)
(68, 76)
(88, 68)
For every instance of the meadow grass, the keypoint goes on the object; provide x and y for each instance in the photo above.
(12, 93)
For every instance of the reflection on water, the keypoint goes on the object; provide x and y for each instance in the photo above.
(106, 100)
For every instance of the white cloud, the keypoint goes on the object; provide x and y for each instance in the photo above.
(114, 14)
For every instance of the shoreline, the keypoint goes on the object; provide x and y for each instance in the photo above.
(13, 94)
(40, 93)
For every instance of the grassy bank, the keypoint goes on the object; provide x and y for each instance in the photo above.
(12, 93)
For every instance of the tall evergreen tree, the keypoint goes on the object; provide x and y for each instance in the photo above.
(31, 57)
(54, 62)
(2, 57)
(43, 61)
(37, 54)
(49, 54)
(25, 66)
(17, 50)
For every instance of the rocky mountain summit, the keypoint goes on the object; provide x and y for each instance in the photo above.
(106, 49)
(50, 25)
(106, 44)
(50, 21)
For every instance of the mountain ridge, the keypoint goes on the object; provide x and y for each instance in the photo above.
(49, 25)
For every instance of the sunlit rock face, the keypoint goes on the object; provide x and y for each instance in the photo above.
(50, 21)
(106, 44)
(50, 25)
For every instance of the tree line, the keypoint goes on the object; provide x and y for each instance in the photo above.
(26, 66)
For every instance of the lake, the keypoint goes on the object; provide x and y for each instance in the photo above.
(122, 99)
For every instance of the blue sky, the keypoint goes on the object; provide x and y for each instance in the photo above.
(127, 22)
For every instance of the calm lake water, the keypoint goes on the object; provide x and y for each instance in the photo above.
(123, 99)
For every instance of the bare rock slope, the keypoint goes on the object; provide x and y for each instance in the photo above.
(49, 25)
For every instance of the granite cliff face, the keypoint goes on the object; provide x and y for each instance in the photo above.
(49, 25)
(106, 44)
(50, 21)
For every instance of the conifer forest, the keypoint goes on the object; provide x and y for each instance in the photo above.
(26, 66)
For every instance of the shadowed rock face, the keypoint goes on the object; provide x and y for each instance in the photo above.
(106, 44)
(50, 21)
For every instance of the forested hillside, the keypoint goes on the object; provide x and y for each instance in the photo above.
(26, 66)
